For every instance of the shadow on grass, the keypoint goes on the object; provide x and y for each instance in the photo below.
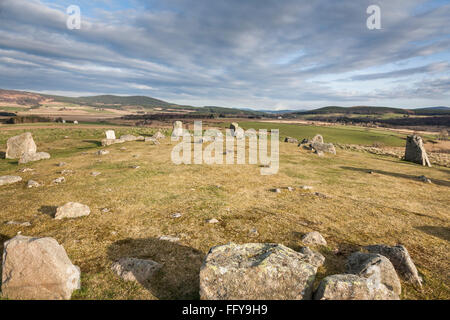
(48, 210)
(96, 142)
(398, 175)
(178, 279)
(440, 232)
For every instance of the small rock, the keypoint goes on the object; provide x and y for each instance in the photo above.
(135, 167)
(306, 187)
(59, 180)
(290, 189)
(27, 157)
(321, 195)
(95, 173)
(424, 179)
(213, 220)
(276, 190)
(169, 238)
(67, 171)
(312, 257)
(133, 269)
(26, 170)
(22, 224)
(254, 232)
(33, 184)
(314, 238)
(176, 215)
(72, 210)
(105, 210)
(9, 180)
(61, 164)
(102, 152)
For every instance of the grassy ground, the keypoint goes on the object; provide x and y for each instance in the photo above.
(389, 206)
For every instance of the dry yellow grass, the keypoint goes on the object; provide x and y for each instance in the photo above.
(389, 206)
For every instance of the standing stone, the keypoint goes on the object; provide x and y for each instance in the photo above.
(9, 179)
(37, 268)
(72, 210)
(133, 269)
(317, 138)
(415, 151)
(110, 134)
(376, 267)
(255, 271)
(352, 287)
(400, 258)
(19, 145)
(177, 129)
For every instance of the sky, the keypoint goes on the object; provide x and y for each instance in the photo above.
(259, 54)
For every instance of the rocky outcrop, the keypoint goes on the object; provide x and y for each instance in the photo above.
(37, 268)
(255, 271)
(415, 151)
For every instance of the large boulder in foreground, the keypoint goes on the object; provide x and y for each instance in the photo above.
(9, 179)
(376, 266)
(352, 287)
(37, 268)
(19, 145)
(415, 151)
(72, 210)
(255, 271)
(401, 260)
(28, 157)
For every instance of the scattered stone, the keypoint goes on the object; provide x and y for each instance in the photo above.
(169, 238)
(424, 179)
(108, 142)
(67, 171)
(102, 152)
(415, 151)
(26, 170)
(312, 257)
(110, 135)
(130, 137)
(317, 138)
(351, 287)
(133, 269)
(314, 238)
(22, 224)
(321, 195)
(37, 268)
(158, 135)
(135, 167)
(33, 184)
(234, 126)
(290, 189)
(72, 210)
(66, 137)
(59, 180)
(255, 271)
(277, 190)
(18, 145)
(212, 220)
(290, 140)
(400, 258)
(376, 267)
(27, 157)
(123, 148)
(95, 173)
(306, 187)
(105, 210)
(61, 164)
(9, 179)
(176, 215)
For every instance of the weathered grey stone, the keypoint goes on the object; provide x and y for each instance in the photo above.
(314, 238)
(133, 269)
(213, 220)
(158, 135)
(400, 258)
(290, 140)
(312, 257)
(37, 268)
(352, 287)
(22, 224)
(33, 184)
(234, 126)
(415, 151)
(102, 152)
(169, 238)
(59, 180)
(110, 135)
(9, 179)
(72, 210)
(323, 147)
(152, 140)
(130, 137)
(18, 145)
(255, 271)
(371, 265)
(95, 173)
(317, 138)
(27, 157)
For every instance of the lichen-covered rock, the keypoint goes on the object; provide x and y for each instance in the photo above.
(37, 268)
(317, 138)
(323, 147)
(401, 260)
(72, 210)
(33, 184)
(133, 269)
(28, 157)
(255, 271)
(9, 179)
(314, 238)
(352, 287)
(371, 265)
(312, 257)
(415, 151)
(19, 145)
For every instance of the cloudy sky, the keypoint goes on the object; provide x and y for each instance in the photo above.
(262, 54)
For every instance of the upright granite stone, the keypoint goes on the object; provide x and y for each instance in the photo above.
(400, 258)
(110, 134)
(37, 268)
(256, 271)
(415, 151)
(19, 145)
(177, 129)
(375, 266)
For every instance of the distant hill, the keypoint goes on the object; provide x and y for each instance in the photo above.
(355, 110)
